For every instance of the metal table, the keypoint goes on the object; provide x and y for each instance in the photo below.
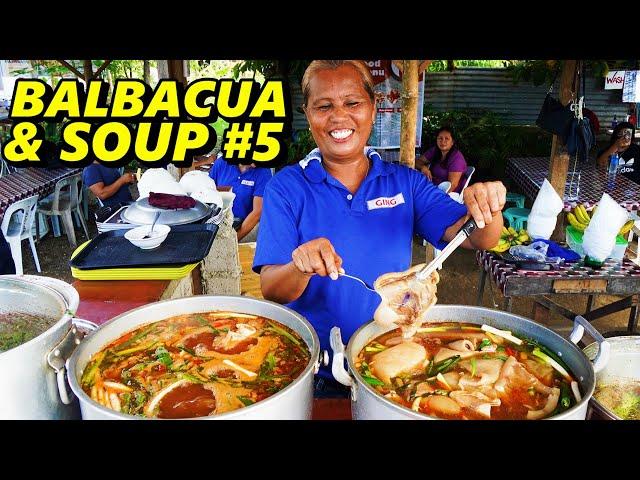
(622, 279)
(529, 173)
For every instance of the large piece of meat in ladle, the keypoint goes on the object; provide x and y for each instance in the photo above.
(405, 299)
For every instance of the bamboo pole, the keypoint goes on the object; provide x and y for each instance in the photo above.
(409, 111)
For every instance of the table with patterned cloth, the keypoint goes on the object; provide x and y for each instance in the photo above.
(529, 173)
(30, 181)
(614, 278)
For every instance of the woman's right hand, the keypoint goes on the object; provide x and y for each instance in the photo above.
(317, 257)
(427, 172)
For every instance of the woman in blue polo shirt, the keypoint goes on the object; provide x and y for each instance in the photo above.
(343, 207)
(247, 182)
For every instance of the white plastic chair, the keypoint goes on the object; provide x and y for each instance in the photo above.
(63, 203)
(16, 226)
(445, 186)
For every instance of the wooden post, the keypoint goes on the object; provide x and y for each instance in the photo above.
(559, 164)
(87, 71)
(409, 111)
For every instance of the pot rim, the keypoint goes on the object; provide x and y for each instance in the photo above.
(83, 397)
(41, 283)
(404, 410)
(591, 350)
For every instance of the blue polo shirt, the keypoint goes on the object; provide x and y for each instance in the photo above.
(245, 185)
(372, 230)
(96, 173)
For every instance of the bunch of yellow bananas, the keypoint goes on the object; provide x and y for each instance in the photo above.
(579, 219)
(509, 237)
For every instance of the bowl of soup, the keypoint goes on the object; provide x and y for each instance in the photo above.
(202, 357)
(467, 363)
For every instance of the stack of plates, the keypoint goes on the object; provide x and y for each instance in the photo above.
(115, 222)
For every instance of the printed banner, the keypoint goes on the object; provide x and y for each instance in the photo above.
(631, 89)
(388, 88)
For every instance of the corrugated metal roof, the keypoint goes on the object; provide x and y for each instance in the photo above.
(518, 104)
(494, 90)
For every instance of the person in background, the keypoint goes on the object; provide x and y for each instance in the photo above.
(444, 162)
(107, 184)
(247, 182)
(621, 142)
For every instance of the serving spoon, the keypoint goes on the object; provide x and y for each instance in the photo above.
(148, 234)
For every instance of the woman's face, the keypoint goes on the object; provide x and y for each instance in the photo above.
(445, 141)
(340, 113)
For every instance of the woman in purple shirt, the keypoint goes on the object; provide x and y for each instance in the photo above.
(444, 163)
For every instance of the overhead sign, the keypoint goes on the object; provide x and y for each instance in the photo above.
(631, 88)
(614, 80)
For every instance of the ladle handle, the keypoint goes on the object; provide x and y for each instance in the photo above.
(580, 325)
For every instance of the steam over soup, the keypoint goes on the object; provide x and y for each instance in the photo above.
(195, 365)
(464, 371)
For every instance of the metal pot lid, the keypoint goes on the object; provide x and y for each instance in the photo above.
(141, 213)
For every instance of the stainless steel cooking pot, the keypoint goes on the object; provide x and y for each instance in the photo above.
(32, 375)
(294, 402)
(624, 361)
(367, 404)
(141, 213)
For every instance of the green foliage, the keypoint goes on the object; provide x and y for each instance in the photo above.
(485, 140)
(441, 65)
(272, 68)
(298, 148)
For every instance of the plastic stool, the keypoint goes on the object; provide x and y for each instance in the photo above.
(516, 217)
(516, 198)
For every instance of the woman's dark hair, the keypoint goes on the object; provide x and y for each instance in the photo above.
(618, 129)
(437, 154)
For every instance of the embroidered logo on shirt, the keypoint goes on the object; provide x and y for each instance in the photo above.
(249, 183)
(385, 202)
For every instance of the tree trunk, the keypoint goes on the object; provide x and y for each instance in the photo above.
(146, 71)
(451, 65)
(559, 164)
(87, 71)
(409, 112)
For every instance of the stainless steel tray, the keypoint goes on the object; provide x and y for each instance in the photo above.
(141, 213)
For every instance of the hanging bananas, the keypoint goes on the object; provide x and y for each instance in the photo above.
(579, 219)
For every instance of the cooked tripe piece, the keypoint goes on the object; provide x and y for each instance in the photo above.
(395, 360)
(405, 299)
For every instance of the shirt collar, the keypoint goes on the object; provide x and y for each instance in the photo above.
(312, 165)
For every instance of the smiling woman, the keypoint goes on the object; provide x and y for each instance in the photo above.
(342, 208)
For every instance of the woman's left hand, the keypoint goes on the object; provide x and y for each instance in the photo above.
(484, 201)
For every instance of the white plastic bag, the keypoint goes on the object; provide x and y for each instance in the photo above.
(544, 212)
(600, 236)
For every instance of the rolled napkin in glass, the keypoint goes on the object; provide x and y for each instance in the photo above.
(544, 212)
(600, 236)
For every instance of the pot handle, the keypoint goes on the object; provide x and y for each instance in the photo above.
(337, 366)
(56, 357)
(580, 325)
